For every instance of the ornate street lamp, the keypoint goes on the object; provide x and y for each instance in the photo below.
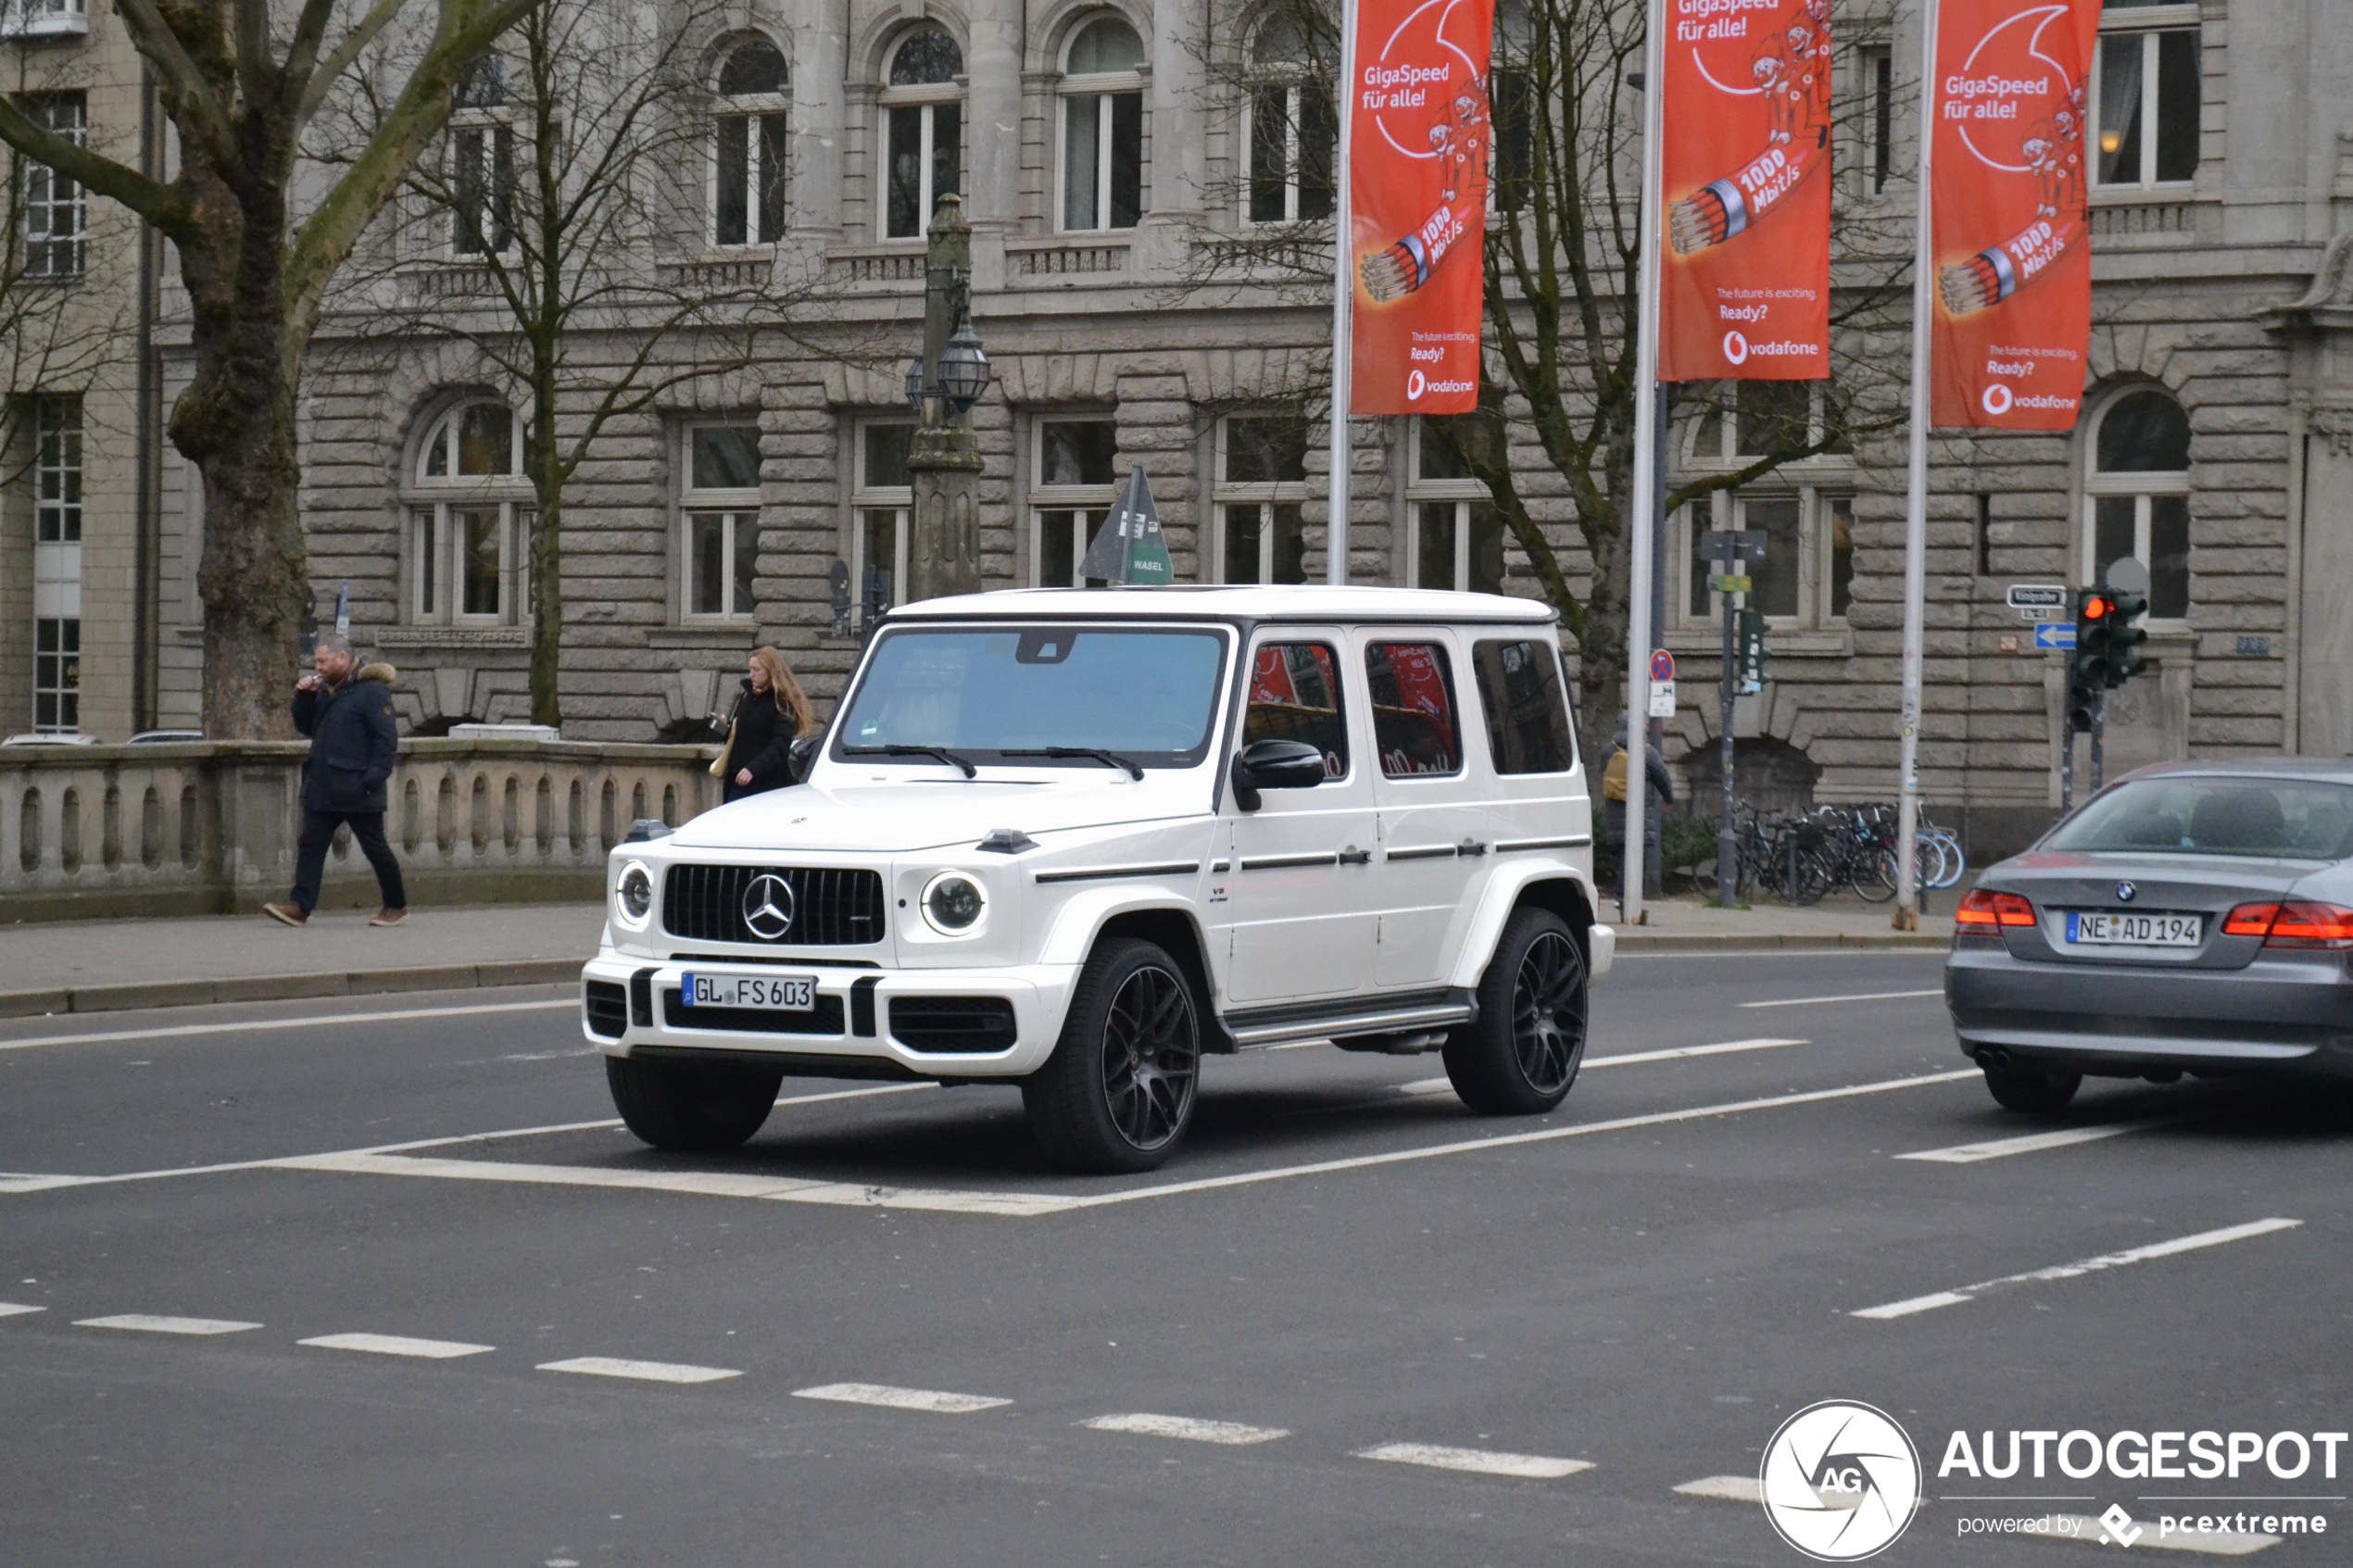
(963, 369)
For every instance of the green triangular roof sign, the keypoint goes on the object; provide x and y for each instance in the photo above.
(1129, 548)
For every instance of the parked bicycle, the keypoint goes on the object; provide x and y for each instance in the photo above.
(1802, 857)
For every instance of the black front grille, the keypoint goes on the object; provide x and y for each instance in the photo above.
(832, 907)
(952, 1024)
(823, 1019)
(606, 1006)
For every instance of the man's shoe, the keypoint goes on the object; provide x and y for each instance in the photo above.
(389, 917)
(287, 914)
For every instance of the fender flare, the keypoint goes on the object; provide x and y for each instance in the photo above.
(1502, 895)
(1083, 916)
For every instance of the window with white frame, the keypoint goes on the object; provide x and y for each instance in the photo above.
(718, 522)
(2136, 497)
(1512, 107)
(44, 18)
(469, 513)
(1454, 538)
(1293, 134)
(880, 499)
(1260, 497)
(481, 163)
(923, 131)
(57, 210)
(750, 149)
(56, 564)
(1805, 509)
(2145, 95)
(1076, 479)
(1103, 127)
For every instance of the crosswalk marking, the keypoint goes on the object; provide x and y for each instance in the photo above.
(1723, 1488)
(397, 1345)
(2106, 1261)
(18, 1309)
(642, 1372)
(143, 1322)
(1478, 1461)
(2032, 1143)
(931, 1399)
(1227, 1433)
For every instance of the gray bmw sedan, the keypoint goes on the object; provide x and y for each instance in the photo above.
(2195, 917)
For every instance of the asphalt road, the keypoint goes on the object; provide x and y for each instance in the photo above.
(1645, 1284)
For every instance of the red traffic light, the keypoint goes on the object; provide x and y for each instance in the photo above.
(2098, 607)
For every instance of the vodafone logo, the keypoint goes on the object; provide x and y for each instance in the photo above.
(1735, 347)
(1416, 384)
(1995, 399)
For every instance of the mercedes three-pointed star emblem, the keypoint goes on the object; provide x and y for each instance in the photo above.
(767, 906)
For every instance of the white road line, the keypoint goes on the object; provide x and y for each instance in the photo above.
(2032, 1143)
(2088, 1266)
(18, 1309)
(1723, 1488)
(1228, 1433)
(397, 1345)
(180, 1031)
(2082, 1527)
(883, 1394)
(1478, 1461)
(1630, 1059)
(642, 1372)
(141, 1323)
(1858, 997)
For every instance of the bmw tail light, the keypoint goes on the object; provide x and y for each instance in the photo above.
(1983, 911)
(2293, 924)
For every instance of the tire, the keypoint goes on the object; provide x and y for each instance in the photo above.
(1872, 872)
(1521, 1058)
(2033, 1091)
(1117, 1093)
(691, 1110)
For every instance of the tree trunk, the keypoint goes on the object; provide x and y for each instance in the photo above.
(546, 605)
(1601, 674)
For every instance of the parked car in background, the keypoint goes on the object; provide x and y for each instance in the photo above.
(1075, 839)
(2195, 917)
(33, 738)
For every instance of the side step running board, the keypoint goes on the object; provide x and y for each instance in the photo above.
(1429, 1010)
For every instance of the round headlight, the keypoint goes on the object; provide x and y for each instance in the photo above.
(952, 903)
(634, 895)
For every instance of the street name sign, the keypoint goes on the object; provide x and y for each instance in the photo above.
(2039, 601)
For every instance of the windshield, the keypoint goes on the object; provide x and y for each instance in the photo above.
(2276, 819)
(1146, 695)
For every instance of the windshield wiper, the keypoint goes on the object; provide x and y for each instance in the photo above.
(1109, 759)
(939, 753)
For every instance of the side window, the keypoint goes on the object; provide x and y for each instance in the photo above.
(1294, 694)
(1520, 686)
(1413, 691)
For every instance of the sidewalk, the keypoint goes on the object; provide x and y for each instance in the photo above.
(103, 966)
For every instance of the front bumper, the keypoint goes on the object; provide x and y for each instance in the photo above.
(2282, 1013)
(849, 1033)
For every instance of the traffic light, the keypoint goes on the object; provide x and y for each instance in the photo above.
(2087, 669)
(2124, 639)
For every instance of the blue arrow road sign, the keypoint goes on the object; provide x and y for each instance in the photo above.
(2054, 635)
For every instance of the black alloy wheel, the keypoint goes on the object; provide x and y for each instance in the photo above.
(1548, 1013)
(1118, 1092)
(1521, 1056)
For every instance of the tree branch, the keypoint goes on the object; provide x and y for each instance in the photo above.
(155, 38)
(322, 80)
(166, 207)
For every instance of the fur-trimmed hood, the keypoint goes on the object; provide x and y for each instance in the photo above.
(380, 671)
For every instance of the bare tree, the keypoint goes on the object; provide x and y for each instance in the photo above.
(261, 232)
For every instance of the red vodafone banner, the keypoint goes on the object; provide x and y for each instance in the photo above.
(2013, 266)
(1744, 281)
(1418, 138)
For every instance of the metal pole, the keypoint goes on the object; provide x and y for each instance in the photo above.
(2067, 743)
(1725, 854)
(1344, 311)
(1657, 728)
(1907, 799)
(2099, 742)
(1639, 630)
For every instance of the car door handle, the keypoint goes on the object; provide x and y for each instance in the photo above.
(1352, 856)
(1470, 846)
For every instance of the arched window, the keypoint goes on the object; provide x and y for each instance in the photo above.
(470, 511)
(2136, 498)
(1292, 131)
(1103, 127)
(923, 131)
(749, 149)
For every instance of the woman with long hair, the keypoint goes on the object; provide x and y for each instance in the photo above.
(771, 713)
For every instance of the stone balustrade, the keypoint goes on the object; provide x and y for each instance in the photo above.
(210, 827)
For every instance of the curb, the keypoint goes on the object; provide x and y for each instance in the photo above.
(286, 988)
(1636, 940)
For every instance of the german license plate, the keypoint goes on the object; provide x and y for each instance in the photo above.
(776, 993)
(2086, 928)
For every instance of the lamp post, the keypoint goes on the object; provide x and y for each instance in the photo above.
(943, 556)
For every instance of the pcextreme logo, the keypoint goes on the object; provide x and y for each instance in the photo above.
(1840, 1481)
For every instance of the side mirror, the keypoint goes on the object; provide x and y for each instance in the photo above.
(1275, 764)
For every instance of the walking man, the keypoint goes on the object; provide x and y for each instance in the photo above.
(353, 741)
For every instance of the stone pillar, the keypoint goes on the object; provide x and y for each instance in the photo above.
(817, 131)
(943, 556)
(992, 98)
(1175, 90)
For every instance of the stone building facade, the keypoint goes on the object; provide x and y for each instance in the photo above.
(1097, 144)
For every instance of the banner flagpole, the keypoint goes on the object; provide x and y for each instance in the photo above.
(1907, 796)
(1633, 854)
(1343, 309)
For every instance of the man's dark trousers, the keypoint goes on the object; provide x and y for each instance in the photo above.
(310, 857)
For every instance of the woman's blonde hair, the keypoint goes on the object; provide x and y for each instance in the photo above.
(791, 701)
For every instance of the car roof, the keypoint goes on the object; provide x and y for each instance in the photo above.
(2333, 770)
(1217, 602)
